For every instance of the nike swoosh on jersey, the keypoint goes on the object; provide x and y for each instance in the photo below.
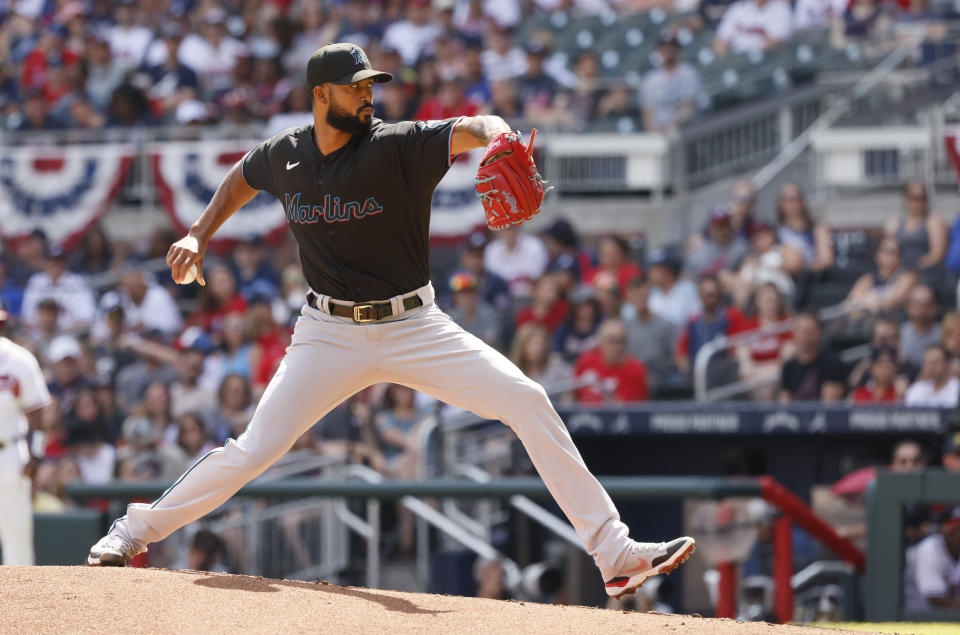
(290, 166)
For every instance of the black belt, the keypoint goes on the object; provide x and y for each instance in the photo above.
(367, 311)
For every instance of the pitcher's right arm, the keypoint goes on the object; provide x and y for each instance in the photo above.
(232, 194)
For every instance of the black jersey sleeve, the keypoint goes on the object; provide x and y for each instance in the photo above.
(426, 154)
(256, 168)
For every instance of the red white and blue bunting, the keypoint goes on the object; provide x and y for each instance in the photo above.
(59, 190)
(187, 175)
(951, 140)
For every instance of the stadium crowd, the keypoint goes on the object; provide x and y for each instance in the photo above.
(148, 375)
(90, 64)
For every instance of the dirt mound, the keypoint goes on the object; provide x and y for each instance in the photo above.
(84, 599)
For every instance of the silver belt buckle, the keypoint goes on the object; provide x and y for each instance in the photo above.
(357, 313)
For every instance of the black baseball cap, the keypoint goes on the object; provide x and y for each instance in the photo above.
(341, 64)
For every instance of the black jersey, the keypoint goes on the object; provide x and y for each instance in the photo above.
(361, 214)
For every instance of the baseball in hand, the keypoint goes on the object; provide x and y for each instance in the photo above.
(190, 275)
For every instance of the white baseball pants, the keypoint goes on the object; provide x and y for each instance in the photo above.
(331, 358)
(16, 509)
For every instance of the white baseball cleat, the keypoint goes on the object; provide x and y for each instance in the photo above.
(113, 550)
(647, 559)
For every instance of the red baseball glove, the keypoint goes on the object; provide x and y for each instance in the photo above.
(508, 182)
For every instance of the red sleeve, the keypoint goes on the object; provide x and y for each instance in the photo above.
(737, 322)
(633, 382)
(683, 342)
(862, 395)
(642, 384)
(523, 316)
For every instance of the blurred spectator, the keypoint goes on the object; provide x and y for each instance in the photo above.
(864, 22)
(212, 53)
(922, 329)
(46, 325)
(887, 288)
(669, 93)
(493, 288)
(933, 568)
(615, 259)
(413, 34)
(580, 103)
(31, 256)
(950, 340)
(711, 321)
(192, 437)
(236, 354)
(153, 362)
(128, 41)
(146, 305)
(886, 333)
(70, 290)
(547, 306)
(105, 73)
(476, 85)
(517, 257)
(251, 269)
(36, 114)
(813, 373)
(471, 312)
(95, 252)
(814, 13)
(64, 355)
(761, 358)
(234, 409)
(172, 83)
(505, 100)
(530, 351)
(501, 59)
(86, 412)
(537, 88)
(449, 101)
(614, 374)
(578, 333)
(395, 424)
(881, 387)
(723, 250)
(563, 242)
(269, 340)
(762, 265)
(936, 386)
(671, 297)
(807, 244)
(93, 455)
(208, 552)
(144, 456)
(650, 338)
(907, 456)
(753, 25)
(156, 408)
(607, 291)
(187, 394)
(921, 233)
(218, 299)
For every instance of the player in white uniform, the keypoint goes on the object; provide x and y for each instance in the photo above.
(357, 193)
(23, 394)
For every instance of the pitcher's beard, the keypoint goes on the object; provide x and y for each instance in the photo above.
(351, 123)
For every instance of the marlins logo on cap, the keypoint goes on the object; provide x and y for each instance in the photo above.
(341, 64)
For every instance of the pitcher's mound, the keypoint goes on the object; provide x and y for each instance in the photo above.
(111, 600)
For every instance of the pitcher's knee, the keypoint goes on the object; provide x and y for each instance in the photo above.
(524, 397)
(247, 459)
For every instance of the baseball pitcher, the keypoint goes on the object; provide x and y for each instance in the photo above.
(356, 193)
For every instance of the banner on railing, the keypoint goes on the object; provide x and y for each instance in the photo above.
(59, 190)
(187, 174)
(752, 419)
